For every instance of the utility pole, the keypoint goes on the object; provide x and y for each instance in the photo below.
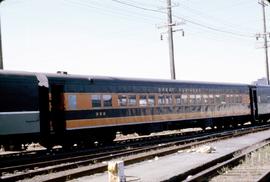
(1, 54)
(169, 25)
(264, 36)
(170, 39)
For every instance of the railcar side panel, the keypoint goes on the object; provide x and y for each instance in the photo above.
(100, 103)
(19, 110)
(263, 101)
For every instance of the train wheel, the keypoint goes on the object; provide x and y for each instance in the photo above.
(12, 147)
(106, 139)
(235, 125)
(67, 146)
(86, 144)
(143, 133)
(219, 127)
(47, 144)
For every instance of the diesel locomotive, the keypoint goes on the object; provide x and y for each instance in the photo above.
(64, 109)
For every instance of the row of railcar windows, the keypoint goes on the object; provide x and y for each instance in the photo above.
(152, 100)
(133, 100)
(124, 100)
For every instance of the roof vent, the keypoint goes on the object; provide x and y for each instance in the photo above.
(91, 80)
(62, 72)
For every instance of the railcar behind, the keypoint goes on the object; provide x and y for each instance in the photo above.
(19, 108)
(262, 103)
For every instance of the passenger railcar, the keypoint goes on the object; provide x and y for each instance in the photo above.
(19, 108)
(145, 106)
(67, 109)
(263, 103)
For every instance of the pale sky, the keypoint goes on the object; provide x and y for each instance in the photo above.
(121, 38)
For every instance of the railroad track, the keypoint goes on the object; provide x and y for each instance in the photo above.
(60, 160)
(235, 166)
(17, 166)
(92, 163)
(253, 166)
(251, 163)
(25, 157)
(20, 161)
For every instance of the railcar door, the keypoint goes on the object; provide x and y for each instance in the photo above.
(254, 103)
(44, 112)
(58, 109)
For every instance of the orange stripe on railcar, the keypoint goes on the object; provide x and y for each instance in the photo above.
(97, 122)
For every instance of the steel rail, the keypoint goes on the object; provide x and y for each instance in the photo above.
(28, 157)
(149, 153)
(212, 168)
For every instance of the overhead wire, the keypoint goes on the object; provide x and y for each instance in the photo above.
(137, 6)
(235, 4)
(220, 21)
(211, 35)
(187, 20)
(110, 11)
(145, 3)
(213, 28)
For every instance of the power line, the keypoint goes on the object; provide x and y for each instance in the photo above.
(230, 6)
(213, 28)
(138, 7)
(186, 19)
(200, 13)
(110, 11)
(142, 3)
(163, 12)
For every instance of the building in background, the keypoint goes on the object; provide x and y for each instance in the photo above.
(261, 81)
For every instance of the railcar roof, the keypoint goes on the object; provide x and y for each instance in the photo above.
(263, 86)
(116, 79)
(140, 80)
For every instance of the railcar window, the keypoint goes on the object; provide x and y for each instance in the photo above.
(259, 99)
(161, 100)
(96, 100)
(263, 99)
(192, 99)
(122, 100)
(241, 98)
(211, 99)
(228, 99)
(232, 99)
(107, 100)
(72, 102)
(143, 100)
(151, 100)
(184, 99)
(268, 99)
(236, 97)
(178, 100)
(205, 99)
(132, 100)
(198, 99)
(223, 99)
(217, 99)
(168, 100)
